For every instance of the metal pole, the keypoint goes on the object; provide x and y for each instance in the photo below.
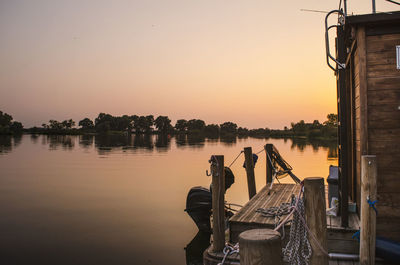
(373, 7)
(345, 7)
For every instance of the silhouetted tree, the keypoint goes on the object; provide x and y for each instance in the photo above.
(163, 124)
(86, 124)
(196, 125)
(68, 124)
(242, 131)
(332, 120)
(144, 124)
(212, 129)
(7, 126)
(16, 127)
(181, 125)
(228, 127)
(5, 119)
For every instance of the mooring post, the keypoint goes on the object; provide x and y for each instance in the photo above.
(315, 210)
(260, 246)
(268, 154)
(218, 206)
(249, 163)
(369, 172)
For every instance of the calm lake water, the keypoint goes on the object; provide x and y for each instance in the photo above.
(120, 200)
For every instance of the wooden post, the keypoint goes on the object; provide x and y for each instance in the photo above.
(368, 215)
(315, 210)
(218, 207)
(268, 152)
(260, 246)
(343, 112)
(251, 182)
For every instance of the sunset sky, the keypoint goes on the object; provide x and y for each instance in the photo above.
(256, 63)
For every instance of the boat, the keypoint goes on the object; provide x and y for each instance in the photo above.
(199, 202)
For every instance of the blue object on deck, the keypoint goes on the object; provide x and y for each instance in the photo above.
(387, 249)
(372, 204)
(356, 235)
(255, 158)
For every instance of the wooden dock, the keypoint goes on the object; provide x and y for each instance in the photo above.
(339, 238)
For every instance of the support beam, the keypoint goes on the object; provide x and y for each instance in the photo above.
(218, 206)
(369, 172)
(315, 210)
(268, 152)
(249, 163)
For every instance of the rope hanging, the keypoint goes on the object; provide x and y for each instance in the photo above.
(298, 249)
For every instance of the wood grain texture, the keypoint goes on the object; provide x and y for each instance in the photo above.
(362, 69)
(260, 246)
(314, 202)
(251, 181)
(369, 170)
(218, 206)
(268, 150)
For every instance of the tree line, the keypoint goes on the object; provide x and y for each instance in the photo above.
(8, 126)
(107, 123)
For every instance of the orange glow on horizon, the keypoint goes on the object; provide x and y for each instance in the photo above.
(256, 63)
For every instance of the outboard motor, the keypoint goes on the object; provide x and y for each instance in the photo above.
(199, 202)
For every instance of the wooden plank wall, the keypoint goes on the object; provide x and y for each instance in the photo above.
(383, 93)
(375, 86)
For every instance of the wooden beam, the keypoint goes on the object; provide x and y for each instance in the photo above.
(268, 152)
(343, 113)
(369, 174)
(315, 210)
(249, 163)
(218, 202)
(362, 59)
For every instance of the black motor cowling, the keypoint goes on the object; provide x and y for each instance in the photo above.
(199, 202)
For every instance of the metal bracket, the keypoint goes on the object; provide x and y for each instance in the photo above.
(339, 65)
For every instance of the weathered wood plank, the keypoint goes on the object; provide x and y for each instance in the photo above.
(218, 184)
(382, 83)
(383, 43)
(369, 174)
(387, 96)
(382, 70)
(388, 227)
(315, 211)
(251, 182)
(362, 50)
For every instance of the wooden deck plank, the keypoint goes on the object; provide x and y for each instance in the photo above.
(279, 193)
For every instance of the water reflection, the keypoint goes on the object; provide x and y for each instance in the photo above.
(86, 141)
(105, 144)
(196, 140)
(228, 140)
(144, 141)
(194, 250)
(126, 209)
(301, 143)
(163, 142)
(8, 142)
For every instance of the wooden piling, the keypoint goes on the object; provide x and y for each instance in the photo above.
(368, 215)
(260, 246)
(218, 207)
(315, 210)
(251, 182)
(268, 152)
